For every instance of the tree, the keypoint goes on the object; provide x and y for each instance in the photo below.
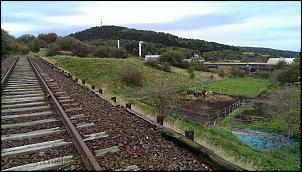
(162, 96)
(286, 104)
(280, 65)
(36, 44)
(8, 43)
(66, 42)
(102, 51)
(80, 49)
(27, 38)
(53, 49)
(48, 38)
(223, 71)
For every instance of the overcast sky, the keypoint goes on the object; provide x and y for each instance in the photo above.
(258, 24)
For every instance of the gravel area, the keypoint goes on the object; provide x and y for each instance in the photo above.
(139, 143)
(5, 65)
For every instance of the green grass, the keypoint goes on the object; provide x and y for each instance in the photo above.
(103, 72)
(248, 86)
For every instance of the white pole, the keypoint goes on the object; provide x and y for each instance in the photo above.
(140, 48)
(118, 44)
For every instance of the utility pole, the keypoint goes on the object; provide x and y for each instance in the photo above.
(118, 44)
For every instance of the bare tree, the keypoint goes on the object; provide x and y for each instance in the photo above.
(287, 104)
(162, 96)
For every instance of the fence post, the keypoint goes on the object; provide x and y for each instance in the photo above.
(160, 119)
(128, 105)
(113, 99)
(190, 134)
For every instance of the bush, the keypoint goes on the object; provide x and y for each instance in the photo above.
(236, 72)
(102, 51)
(80, 49)
(263, 74)
(66, 42)
(166, 67)
(118, 53)
(153, 64)
(191, 72)
(223, 71)
(131, 76)
(280, 65)
(273, 79)
(53, 49)
(200, 66)
(175, 58)
(36, 44)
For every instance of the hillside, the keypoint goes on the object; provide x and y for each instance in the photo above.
(117, 32)
(156, 42)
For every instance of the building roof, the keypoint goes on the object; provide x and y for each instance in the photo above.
(274, 61)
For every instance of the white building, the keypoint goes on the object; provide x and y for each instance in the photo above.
(151, 57)
(274, 61)
(195, 58)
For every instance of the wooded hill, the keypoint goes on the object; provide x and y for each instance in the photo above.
(158, 42)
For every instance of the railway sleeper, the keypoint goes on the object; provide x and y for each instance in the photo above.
(18, 105)
(26, 124)
(38, 133)
(43, 165)
(54, 143)
(25, 109)
(26, 115)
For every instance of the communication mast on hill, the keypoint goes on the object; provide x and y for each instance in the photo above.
(101, 21)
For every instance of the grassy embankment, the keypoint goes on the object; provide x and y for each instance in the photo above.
(103, 73)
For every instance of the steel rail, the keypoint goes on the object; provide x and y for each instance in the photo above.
(86, 155)
(8, 73)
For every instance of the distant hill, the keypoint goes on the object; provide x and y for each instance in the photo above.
(157, 41)
(117, 32)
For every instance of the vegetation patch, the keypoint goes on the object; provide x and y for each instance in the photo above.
(248, 86)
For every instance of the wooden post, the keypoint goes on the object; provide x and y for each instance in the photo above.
(93, 87)
(160, 119)
(83, 82)
(76, 79)
(101, 91)
(113, 99)
(190, 134)
(128, 105)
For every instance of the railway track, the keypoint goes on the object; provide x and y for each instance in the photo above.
(41, 125)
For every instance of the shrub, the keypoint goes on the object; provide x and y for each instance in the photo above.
(80, 49)
(263, 74)
(153, 64)
(66, 42)
(273, 79)
(36, 44)
(236, 72)
(280, 65)
(131, 76)
(53, 49)
(191, 72)
(118, 53)
(223, 71)
(211, 77)
(175, 58)
(102, 51)
(166, 67)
